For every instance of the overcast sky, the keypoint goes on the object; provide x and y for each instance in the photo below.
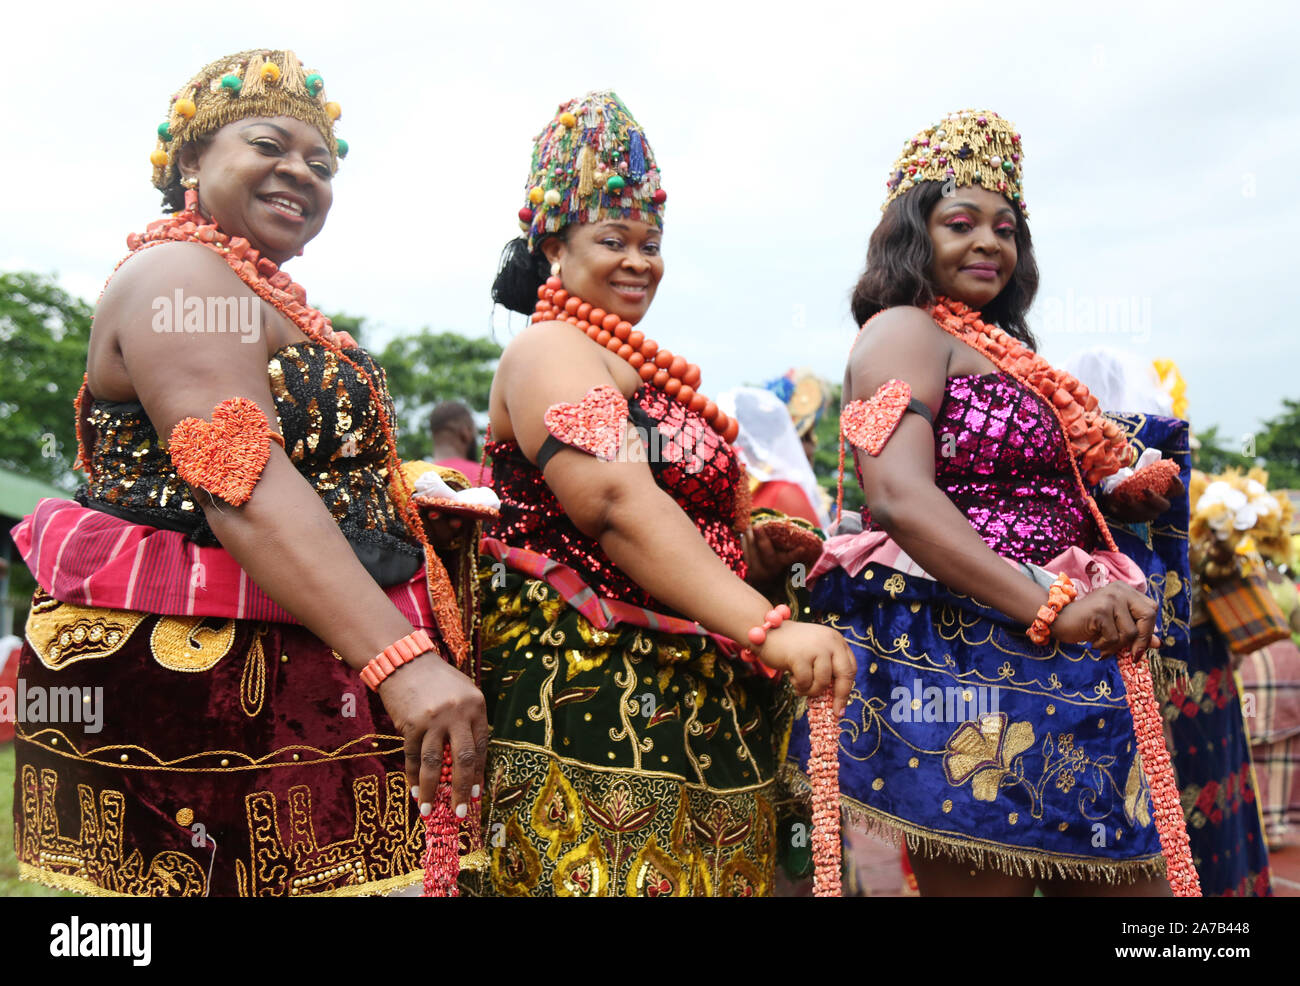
(1160, 147)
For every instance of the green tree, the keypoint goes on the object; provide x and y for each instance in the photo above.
(826, 457)
(425, 368)
(44, 332)
(1217, 452)
(1278, 445)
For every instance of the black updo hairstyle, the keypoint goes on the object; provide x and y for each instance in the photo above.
(899, 258)
(521, 273)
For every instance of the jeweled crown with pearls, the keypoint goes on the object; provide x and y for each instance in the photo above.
(971, 147)
(591, 163)
(262, 82)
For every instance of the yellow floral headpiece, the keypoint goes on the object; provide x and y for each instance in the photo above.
(261, 82)
(971, 147)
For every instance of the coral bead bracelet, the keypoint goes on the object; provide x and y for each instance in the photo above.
(1061, 594)
(394, 656)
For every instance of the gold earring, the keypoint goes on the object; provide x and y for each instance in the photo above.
(555, 269)
(190, 183)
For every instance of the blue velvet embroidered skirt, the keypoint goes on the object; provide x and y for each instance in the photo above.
(978, 744)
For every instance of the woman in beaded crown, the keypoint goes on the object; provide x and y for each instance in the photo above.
(629, 733)
(245, 544)
(983, 729)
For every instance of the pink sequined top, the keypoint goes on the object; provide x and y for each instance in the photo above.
(688, 460)
(1000, 457)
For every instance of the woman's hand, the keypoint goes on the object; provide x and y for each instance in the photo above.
(1111, 619)
(767, 564)
(432, 704)
(1141, 509)
(443, 532)
(816, 657)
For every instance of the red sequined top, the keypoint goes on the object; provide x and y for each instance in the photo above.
(1000, 457)
(688, 460)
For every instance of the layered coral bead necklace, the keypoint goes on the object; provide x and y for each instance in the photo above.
(1097, 443)
(670, 372)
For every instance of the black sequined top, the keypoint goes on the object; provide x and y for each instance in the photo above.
(331, 434)
(688, 460)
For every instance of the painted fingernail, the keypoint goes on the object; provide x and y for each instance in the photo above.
(462, 810)
(426, 809)
(415, 793)
(474, 792)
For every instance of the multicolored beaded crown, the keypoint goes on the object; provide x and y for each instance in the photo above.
(592, 162)
(970, 147)
(251, 83)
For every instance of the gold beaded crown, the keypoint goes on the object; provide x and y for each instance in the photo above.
(592, 162)
(261, 82)
(971, 147)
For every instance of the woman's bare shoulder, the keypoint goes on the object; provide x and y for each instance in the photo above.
(902, 329)
(160, 271)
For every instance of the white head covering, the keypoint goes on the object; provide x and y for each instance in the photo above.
(1122, 381)
(768, 442)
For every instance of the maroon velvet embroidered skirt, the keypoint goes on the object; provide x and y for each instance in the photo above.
(188, 756)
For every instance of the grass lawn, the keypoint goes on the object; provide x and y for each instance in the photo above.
(10, 885)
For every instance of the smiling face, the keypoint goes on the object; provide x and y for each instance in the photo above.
(615, 265)
(266, 179)
(974, 237)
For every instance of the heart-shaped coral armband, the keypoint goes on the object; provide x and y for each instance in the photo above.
(224, 456)
(869, 424)
(595, 424)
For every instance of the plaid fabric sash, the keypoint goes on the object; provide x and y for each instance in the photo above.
(1246, 613)
(600, 612)
(91, 558)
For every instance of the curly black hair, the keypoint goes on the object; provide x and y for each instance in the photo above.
(520, 273)
(899, 258)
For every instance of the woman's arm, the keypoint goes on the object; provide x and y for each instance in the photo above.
(901, 493)
(283, 536)
(638, 525)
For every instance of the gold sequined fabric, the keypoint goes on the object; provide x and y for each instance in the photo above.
(332, 435)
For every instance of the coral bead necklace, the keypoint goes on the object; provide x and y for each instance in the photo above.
(670, 373)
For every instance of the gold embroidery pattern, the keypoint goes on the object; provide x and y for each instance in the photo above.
(1009, 677)
(624, 761)
(64, 633)
(57, 741)
(384, 853)
(988, 754)
(252, 683)
(387, 844)
(96, 856)
(191, 643)
(586, 832)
